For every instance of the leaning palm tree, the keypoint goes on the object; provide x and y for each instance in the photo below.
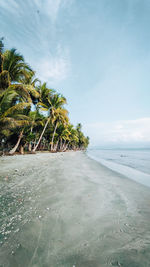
(44, 105)
(36, 120)
(49, 102)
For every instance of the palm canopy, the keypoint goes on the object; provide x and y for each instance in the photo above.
(29, 79)
(12, 115)
(60, 115)
(1, 45)
(14, 63)
(57, 111)
(58, 100)
(45, 98)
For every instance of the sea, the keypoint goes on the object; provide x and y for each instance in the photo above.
(134, 163)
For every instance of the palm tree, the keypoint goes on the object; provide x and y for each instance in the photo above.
(73, 137)
(14, 63)
(45, 105)
(13, 116)
(60, 116)
(15, 104)
(36, 119)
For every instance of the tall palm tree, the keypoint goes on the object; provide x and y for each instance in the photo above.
(57, 103)
(44, 104)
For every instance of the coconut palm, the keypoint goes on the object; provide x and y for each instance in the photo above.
(73, 137)
(13, 116)
(60, 116)
(14, 63)
(31, 84)
(36, 120)
(44, 104)
(15, 104)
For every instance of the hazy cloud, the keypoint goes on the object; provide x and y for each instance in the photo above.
(54, 68)
(120, 132)
(11, 6)
(51, 7)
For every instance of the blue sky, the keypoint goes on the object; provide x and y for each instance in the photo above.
(97, 53)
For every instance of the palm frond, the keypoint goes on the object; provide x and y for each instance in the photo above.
(18, 107)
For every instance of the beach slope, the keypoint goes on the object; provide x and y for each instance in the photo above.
(67, 210)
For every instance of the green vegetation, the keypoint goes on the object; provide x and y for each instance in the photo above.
(32, 116)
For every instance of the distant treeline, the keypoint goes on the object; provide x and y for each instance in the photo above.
(32, 116)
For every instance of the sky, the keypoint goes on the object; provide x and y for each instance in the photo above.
(96, 53)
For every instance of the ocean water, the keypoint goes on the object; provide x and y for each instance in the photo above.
(133, 163)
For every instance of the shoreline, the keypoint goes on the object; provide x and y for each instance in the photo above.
(136, 175)
(66, 209)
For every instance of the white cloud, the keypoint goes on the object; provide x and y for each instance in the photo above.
(119, 132)
(54, 68)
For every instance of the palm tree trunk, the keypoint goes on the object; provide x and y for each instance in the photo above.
(21, 150)
(61, 144)
(41, 135)
(53, 136)
(56, 146)
(64, 145)
(12, 151)
(30, 147)
(67, 145)
(30, 143)
(34, 143)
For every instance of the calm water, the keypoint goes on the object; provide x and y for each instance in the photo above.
(133, 163)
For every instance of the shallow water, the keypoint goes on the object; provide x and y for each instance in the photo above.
(67, 210)
(133, 163)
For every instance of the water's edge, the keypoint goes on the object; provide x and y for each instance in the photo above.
(129, 172)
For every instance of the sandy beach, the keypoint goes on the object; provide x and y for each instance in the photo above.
(68, 210)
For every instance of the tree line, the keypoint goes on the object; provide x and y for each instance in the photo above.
(32, 116)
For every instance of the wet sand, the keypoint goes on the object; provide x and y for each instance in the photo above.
(67, 210)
